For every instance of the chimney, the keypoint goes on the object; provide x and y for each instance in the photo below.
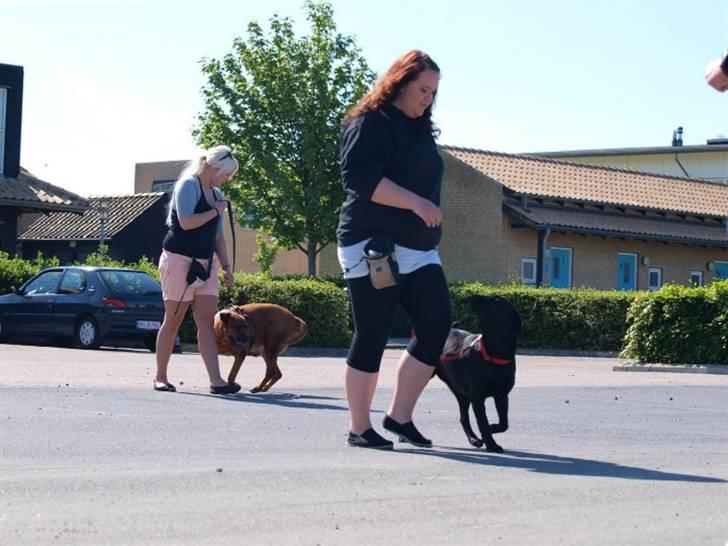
(11, 112)
(677, 137)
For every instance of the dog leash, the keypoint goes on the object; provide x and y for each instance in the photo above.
(232, 230)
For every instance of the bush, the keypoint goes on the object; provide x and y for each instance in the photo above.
(679, 325)
(323, 305)
(580, 319)
(15, 271)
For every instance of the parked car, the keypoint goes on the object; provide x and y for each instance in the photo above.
(89, 305)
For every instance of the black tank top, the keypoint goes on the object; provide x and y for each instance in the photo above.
(195, 243)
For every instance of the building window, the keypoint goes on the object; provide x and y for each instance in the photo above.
(162, 185)
(720, 271)
(654, 278)
(696, 278)
(3, 105)
(528, 270)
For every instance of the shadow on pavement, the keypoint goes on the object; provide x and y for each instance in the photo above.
(283, 399)
(553, 464)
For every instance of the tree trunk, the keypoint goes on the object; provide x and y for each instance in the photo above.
(311, 253)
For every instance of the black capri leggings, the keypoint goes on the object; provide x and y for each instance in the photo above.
(424, 296)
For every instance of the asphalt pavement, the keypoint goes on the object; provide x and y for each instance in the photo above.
(90, 454)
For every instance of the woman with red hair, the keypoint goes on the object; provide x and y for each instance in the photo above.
(392, 174)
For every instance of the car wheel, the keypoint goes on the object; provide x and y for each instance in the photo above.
(150, 342)
(87, 333)
(3, 330)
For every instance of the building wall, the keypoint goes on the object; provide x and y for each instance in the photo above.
(594, 259)
(287, 261)
(472, 242)
(11, 78)
(705, 165)
(8, 229)
(143, 237)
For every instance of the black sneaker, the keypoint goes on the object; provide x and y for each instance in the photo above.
(230, 388)
(406, 432)
(369, 438)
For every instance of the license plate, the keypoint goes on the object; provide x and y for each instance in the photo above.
(148, 324)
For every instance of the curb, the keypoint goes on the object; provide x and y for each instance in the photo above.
(718, 369)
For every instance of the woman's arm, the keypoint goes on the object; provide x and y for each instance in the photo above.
(196, 220)
(222, 256)
(221, 251)
(390, 194)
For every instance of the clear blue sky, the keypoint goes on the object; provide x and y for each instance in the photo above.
(112, 83)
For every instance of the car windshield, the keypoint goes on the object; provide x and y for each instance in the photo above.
(130, 283)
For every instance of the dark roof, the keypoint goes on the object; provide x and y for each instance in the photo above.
(617, 225)
(692, 149)
(27, 191)
(549, 178)
(123, 210)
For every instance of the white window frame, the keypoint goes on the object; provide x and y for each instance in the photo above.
(532, 280)
(650, 271)
(3, 115)
(698, 274)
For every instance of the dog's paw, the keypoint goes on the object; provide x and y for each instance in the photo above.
(255, 389)
(494, 448)
(475, 442)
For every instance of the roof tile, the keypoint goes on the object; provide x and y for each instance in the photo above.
(538, 176)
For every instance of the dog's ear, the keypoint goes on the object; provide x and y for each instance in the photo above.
(225, 315)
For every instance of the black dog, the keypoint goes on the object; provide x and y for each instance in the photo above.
(476, 367)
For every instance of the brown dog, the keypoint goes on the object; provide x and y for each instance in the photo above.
(258, 329)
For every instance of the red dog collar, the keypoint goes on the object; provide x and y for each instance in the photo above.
(488, 358)
(483, 352)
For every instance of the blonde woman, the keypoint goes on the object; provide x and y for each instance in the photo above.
(195, 231)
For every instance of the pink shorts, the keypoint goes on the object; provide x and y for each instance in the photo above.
(173, 276)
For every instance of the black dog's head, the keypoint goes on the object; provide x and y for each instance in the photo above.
(500, 325)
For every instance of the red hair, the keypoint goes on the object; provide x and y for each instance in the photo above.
(404, 70)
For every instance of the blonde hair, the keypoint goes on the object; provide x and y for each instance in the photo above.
(220, 157)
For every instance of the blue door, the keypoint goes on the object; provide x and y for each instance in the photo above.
(721, 271)
(560, 267)
(626, 271)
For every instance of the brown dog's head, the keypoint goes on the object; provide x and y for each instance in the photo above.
(236, 326)
(500, 325)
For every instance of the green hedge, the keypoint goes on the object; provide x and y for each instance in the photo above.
(679, 325)
(323, 305)
(15, 271)
(675, 324)
(580, 319)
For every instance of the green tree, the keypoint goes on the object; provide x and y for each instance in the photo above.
(278, 100)
(266, 255)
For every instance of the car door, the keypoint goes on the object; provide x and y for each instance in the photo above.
(33, 315)
(72, 299)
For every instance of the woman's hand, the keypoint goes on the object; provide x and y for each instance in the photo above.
(227, 276)
(221, 206)
(430, 213)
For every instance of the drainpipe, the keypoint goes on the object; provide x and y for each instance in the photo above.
(543, 241)
(677, 160)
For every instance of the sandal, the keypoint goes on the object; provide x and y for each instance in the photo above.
(230, 388)
(163, 386)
